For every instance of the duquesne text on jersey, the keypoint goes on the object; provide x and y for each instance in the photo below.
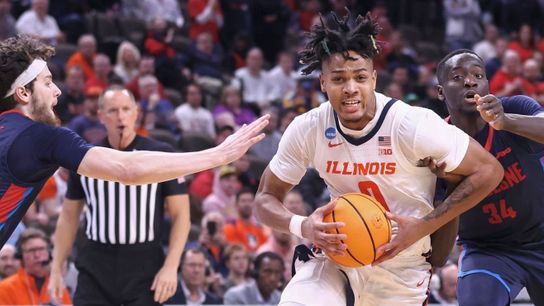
(367, 168)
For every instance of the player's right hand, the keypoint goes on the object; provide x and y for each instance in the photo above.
(320, 233)
(439, 170)
(238, 143)
(56, 287)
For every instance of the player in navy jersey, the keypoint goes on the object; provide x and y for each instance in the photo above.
(503, 236)
(32, 147)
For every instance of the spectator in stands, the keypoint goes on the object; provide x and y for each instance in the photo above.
(84, 56)
(29, 285)
(201, 185)
(237, 21)
(36, 22)
(495, 63)
(128, 61)
(192, 117)
(103, 75)
(70, 103)
(282, 77)
(204, 58)
(192, 287)
(283, 244)
(401, 54)
(158, 41)
(8, 263)
(306, 95)
(150, 9)
(146, 67)
(237, 261)
(508, 81)
(223, 193)
(264, 290)
(237, 50)
(267, 147)
(447, 291)
(231, 102)
(244, 229)
(87, 124)
(7, 22)
(270, 19)
(532, 72)
(463, 28)
(486, 47)
(205, 16)
(158, 113)
(212, 241)
(524, 44)
(254, 81)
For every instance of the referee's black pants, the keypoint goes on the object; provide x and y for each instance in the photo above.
(117, 274)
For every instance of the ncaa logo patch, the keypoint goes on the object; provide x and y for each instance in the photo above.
(330, 133)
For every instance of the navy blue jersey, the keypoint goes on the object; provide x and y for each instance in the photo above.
(30, 152)
(513, 214)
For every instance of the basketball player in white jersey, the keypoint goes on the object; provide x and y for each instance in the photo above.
(363, 141)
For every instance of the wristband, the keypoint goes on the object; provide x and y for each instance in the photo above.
(295, 225)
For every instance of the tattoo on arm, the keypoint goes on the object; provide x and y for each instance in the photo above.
(461, 192)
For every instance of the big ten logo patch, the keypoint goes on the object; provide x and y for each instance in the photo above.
(385, 151)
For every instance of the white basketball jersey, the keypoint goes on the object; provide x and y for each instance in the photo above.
(382, 163)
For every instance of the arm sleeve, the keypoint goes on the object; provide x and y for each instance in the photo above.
(44, 148)
(522, 105)
(424, 133)
(74, 189)
(176, 186)
(292, 158)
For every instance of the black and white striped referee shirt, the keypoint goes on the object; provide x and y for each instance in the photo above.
(123, 214)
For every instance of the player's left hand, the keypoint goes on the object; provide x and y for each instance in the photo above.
(490, 108)
(165, 284)
(409, 231)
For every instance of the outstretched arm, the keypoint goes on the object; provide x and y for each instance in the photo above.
(491, 110)
(482, 173)
(144, 167)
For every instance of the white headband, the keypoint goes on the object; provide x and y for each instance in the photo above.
(27, 76)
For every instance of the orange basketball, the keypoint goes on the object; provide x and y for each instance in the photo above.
(366, 228)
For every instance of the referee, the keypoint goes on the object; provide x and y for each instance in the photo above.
(123, 262)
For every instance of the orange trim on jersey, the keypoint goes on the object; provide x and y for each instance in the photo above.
(12, 111)
(489, 140)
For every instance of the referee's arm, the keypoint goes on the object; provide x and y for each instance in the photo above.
(165, 282)
(64, 237)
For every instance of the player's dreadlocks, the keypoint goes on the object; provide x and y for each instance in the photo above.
(340, 35)
(16, 54)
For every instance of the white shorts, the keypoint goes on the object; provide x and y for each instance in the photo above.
(402, 280)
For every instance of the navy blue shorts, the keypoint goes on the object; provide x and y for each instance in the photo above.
(495, 277)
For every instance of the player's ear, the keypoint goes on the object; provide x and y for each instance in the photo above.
(322, 82)
(22, 95)
(440, 90)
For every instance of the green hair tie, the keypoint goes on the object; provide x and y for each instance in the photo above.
(324, 45)
(373, 42)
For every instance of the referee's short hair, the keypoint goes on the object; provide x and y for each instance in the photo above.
(110, 90)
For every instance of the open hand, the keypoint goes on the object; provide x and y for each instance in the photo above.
(165, 284)
(319, 232)
(238, 143)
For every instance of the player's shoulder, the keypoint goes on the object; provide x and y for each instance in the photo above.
(315, 115)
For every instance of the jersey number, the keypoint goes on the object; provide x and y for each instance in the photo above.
(370, 188)
(497, 215)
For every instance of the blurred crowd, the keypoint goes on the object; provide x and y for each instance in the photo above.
(199, 69)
